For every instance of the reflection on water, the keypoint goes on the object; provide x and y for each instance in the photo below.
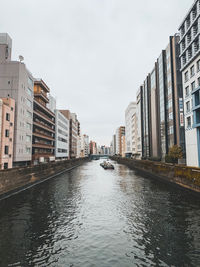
(102, 218)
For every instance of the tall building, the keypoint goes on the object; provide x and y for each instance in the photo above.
(139, 124)
(7, 115)
(146, 118)
(17, 82)
(119, 133)
(74, 132)
(131, 109)
(61, 135)
(190, 68)
(93, 148)
(43, 148)
(154, 132)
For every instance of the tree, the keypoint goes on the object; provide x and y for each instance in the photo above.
(175, 153)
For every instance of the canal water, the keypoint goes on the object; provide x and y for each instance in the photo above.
(91, 217)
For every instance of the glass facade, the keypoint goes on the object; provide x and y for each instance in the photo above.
(145, 122)
(162, 105)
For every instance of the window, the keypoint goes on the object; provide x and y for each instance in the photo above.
(186, 76)
(5, 165)
(28, 138)
(6, 150)
(30, 82)
(29, 92)
(188, 106)
(29, 103)
(28, 150)
(12, 108)
(199, 81)
(187, 91)
(28, 126)
(189, 122)
(198, 65)
(6, 133)
(171, 130)
(7, 116)
(192, 86)
(192, 71)
(29, 114)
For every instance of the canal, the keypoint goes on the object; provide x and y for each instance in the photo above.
(91, 217)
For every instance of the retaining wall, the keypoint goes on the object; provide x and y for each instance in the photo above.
(12, 180)
(187, 177)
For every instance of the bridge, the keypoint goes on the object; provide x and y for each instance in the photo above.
(98, 156)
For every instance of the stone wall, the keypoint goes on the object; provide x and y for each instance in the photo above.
(13, 180)
(187, 177)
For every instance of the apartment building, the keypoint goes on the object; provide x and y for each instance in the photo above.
(74, 132)
(130, 110)
(119, 133)
(61, 135)
(190, 68)
(16, 82)
(43, 147)
(7, 115)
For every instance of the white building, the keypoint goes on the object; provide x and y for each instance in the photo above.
(52, 103)
(61, 136)
(131, 109)
(138, 126)
(190, 67)
(17, 82)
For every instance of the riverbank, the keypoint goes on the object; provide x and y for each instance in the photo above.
(15, 180)
(185, 177)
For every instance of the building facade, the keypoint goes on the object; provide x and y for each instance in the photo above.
(43, 147)
(119, 133)
(17, 82)
(139, 124)
(61, 136)
(131, 109)
(190, 67)
(7, 115)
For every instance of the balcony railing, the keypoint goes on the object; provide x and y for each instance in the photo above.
(41, 115)
(43, 126)
(41, 135)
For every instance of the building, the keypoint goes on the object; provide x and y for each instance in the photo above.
(114, 144)
(16, 82)
(161, 100)
(61, 135)
(93, 148)
(138, 125)
(131, 109)
(43, 148)
(154, 132)
(190, 68)
(74, 132)
(86, 145)
(146, 118)
(124, 147)
(119, 133)
(7, 115)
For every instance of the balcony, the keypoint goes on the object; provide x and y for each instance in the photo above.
(43, 107)
(43, 136)
(43, 116)
(41, 145)
(43, 126)
(42, 95)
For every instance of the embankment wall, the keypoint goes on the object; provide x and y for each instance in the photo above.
(187, 177)
(16, 179)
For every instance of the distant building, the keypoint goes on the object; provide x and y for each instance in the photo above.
(139, 124)
(123, 141)
(43, 125)
(17, 82)
(7, 115)
(62, 130)
(119, 133)
(131, 109)
(74, 132)
(93, 148)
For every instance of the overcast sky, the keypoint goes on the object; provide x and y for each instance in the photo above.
(93, 54)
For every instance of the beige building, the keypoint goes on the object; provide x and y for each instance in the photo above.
(119, 133)
(7, 115)
(17, 82)
(123, 142)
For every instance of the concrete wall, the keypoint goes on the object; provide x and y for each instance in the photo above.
(15, 179)
(183, 176)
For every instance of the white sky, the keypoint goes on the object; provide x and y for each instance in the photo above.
(93, 54)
